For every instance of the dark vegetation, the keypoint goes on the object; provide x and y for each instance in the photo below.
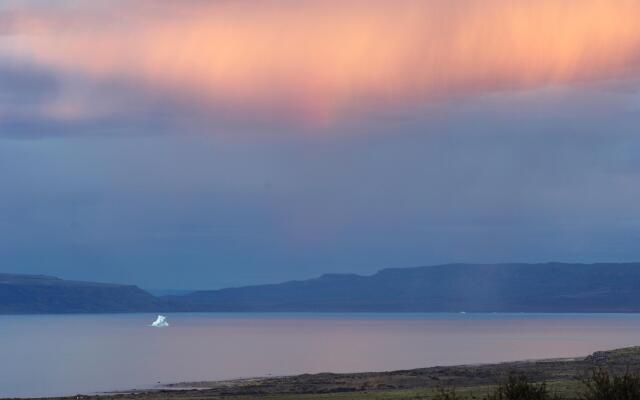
(604, 386)
(600, 385)
(518, 387)
(549, 287)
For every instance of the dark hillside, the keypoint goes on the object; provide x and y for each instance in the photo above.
(34, 294)
(552, 287)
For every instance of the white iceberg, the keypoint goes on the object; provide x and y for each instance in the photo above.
(160, 322)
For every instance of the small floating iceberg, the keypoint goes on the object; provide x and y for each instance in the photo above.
(160, 322)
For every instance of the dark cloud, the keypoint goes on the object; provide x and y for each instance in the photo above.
(130, 183)
(22, 85)
(536, 177)
(37, 103)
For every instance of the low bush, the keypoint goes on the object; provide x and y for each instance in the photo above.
(518, 387)
(446, 394)
(602, 385)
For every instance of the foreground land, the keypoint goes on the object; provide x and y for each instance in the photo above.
(563, 376)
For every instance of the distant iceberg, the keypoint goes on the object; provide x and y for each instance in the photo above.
(160, 322)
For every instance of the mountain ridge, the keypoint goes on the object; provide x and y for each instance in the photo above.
(515, 287)
(509, 287)
(44, 294)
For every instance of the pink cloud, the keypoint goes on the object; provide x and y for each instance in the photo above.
(317, 59)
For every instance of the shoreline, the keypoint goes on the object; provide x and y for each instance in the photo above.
(563, 374)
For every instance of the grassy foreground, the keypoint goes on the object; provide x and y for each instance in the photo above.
(563, 378)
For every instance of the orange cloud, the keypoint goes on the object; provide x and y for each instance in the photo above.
(323, 57)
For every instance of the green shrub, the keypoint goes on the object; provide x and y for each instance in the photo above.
(604, 386)
(518, 387)
(446, 394)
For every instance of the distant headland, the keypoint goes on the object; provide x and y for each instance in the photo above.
(517, 287)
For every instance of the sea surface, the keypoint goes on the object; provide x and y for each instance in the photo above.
(47, 355)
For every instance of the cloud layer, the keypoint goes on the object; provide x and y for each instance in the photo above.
(313, 60)
(213, 143)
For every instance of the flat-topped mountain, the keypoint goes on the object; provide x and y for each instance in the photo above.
(30, 294)
(552, 287)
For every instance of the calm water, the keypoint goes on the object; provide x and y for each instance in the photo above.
(63, 355)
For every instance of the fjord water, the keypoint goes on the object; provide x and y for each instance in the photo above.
(68, 354)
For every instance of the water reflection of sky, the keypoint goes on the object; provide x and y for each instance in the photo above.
(70, 354)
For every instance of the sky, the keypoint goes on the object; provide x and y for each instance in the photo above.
(205, 144)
